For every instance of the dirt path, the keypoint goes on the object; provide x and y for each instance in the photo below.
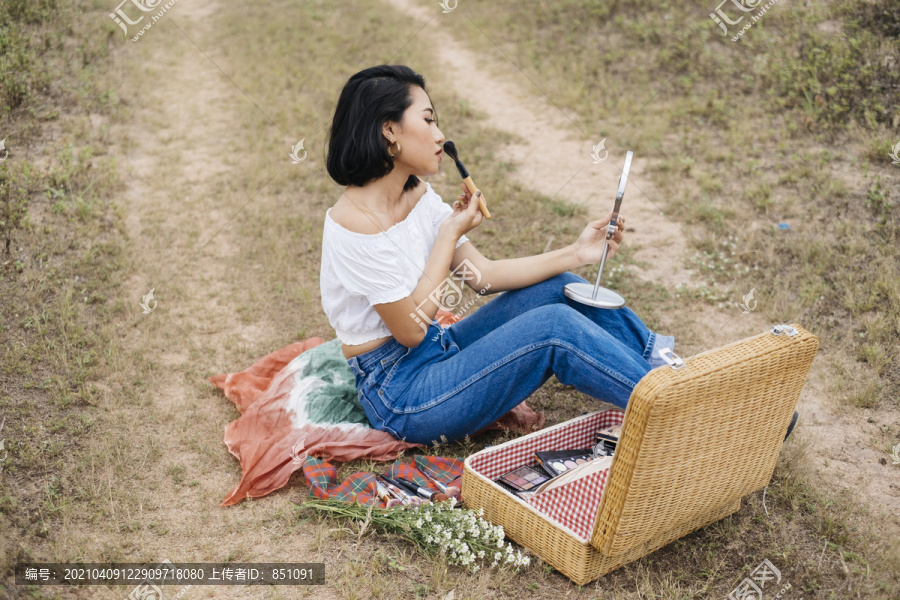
(180, 203)
(838, 439)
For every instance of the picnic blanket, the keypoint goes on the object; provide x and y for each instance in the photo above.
(302, 401)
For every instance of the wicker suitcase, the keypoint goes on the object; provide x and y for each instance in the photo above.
(698, 435)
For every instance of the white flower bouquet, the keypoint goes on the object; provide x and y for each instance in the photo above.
(460, 534)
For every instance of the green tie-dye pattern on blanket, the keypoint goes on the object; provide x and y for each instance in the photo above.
(332, 397)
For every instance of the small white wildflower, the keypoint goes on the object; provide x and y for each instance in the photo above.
(481, 554)
(497, 556)
(419, 524)
(500, 543)
(428, 517)
(481, 511)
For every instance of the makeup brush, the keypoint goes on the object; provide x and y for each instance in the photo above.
(381, 492)
(424, 492)
(450, 490)
(404, 497)
(405, 486)
(393, 494)
(450, 149)
(385, 495)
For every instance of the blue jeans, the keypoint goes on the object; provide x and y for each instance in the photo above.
(462, 378)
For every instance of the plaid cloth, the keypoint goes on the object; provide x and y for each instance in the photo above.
(321, 478)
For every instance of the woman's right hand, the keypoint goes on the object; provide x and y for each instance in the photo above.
(466, 213)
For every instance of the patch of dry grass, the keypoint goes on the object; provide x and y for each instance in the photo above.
(61, 265)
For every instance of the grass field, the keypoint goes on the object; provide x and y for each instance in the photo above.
(162, 164)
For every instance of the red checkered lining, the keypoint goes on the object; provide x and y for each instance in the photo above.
(573, 505)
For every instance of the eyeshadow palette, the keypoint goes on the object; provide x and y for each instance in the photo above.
(524, 479)
(557, 463)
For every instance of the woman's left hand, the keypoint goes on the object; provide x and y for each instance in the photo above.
(589, 246)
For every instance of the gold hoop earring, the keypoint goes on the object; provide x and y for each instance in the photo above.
(393, 154)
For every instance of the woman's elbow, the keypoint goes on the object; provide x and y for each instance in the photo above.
(409, 334)
(405, 325)
(410, 339)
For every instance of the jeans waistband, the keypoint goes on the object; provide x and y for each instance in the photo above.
(362, 363)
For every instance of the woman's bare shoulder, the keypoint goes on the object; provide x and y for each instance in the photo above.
(350, 216)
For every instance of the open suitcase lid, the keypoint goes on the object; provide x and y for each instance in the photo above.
(700, 434)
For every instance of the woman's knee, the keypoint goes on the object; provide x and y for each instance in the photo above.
(553, 288)
(557, 321)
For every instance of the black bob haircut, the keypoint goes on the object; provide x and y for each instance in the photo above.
(357, 150)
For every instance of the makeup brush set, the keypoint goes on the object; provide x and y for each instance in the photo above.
(400, 491)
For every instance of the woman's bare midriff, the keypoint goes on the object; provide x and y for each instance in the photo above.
(356, 349)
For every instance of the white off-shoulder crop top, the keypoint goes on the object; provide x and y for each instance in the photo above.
(360, 270)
